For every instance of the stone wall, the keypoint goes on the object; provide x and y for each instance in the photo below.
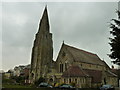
(80, 82)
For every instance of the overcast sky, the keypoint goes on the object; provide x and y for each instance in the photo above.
(84, 25)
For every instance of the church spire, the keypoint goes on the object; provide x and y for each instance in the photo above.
(44, 21)
(42, 51)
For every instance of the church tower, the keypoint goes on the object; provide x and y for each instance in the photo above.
(42, 51)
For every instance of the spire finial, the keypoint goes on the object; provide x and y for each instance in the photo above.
(63, 41)
(46, 6)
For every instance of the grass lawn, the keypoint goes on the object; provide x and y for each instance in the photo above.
(23, 87)
(15, 86)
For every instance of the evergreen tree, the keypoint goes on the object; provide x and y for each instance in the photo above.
(115, 40)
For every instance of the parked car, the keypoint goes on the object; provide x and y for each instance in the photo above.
(107, 87)
(43, 84)
(66, 86)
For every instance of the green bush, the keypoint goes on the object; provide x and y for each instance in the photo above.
(18, 79)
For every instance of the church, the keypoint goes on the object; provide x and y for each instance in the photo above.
(73, 65)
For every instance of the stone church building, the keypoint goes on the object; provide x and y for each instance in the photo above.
(73, 65)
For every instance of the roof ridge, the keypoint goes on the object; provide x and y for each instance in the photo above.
(80, 50)
(80, 55)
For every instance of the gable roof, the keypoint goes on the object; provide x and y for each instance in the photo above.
(74, 71)
(83, 56)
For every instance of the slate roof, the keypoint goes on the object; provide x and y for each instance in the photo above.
(74, 71)
(83, 56)
(96, 75)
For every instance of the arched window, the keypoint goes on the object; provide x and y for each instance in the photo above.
(61, 68)
(70, 80)
(51, 80)
(104, 80)
(75, 80)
